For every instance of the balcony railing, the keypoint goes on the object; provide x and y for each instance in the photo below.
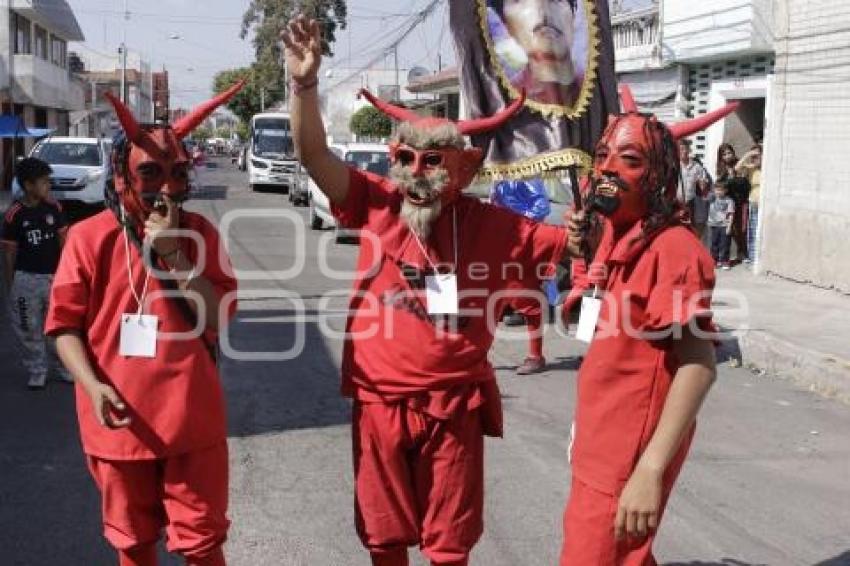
(635, 36)
(635, 29)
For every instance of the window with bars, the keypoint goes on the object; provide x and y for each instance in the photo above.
(703, 75)
(23, 35)
(40, 43)
(58, 51)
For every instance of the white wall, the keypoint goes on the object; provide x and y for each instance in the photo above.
(340, 97)
(5, 33)
(805, 196)
(42, 83)
(658, 91)
(697, 31)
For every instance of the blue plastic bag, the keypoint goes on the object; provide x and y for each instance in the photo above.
(528, 198)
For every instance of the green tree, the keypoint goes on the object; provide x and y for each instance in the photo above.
(202, 134)
(247, 101)
(265, 77)
(243, 130)
(370, 122)
(266, 19)
(224, 132)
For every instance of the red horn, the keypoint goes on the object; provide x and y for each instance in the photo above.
(481, 125)
(397, 112)
(627, 99)
(688, 127)
(187, 123)
(128, 122)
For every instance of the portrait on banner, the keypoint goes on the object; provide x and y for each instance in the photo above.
(546, 47)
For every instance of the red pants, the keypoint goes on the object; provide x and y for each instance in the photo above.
(186, 494)
(418, 480)
(589, 525)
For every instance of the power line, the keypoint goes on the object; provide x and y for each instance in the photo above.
(195, 20)
(418, 18)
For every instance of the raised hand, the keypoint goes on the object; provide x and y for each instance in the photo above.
(303, 41)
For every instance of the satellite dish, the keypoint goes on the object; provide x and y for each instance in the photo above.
(417, 73)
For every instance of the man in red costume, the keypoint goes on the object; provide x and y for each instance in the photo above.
(150, 408)
(415, 360)
(651, 360)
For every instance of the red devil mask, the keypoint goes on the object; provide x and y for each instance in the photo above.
(155, 162)
(432, 153)
(637, 158)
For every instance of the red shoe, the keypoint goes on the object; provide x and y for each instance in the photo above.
(531, 365)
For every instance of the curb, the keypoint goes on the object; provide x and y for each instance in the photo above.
(819, 372)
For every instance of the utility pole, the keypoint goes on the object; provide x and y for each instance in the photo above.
(660, 34)
(123, 52)
(262, 99)
(397, 84)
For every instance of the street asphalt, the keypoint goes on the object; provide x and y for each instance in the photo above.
(767, 481)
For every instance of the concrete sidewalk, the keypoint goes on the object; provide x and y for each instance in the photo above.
(792, 330)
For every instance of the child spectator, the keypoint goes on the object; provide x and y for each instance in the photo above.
(32, 234)
(720, 215)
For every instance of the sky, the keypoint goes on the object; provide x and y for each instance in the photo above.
(195, 39)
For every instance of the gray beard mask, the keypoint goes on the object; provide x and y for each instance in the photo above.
(419, 218)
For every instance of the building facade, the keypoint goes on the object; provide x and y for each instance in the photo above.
(805, 203)
(101, 73)
(726, 51)
(35, 80)
(685, 58)
(787, 63)
(161, 96)
(339, 98)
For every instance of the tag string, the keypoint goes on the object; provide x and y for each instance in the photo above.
(140, 299)
(454, 239)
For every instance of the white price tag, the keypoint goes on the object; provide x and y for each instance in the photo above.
(441, 293)
(590, 307)
(138, 335)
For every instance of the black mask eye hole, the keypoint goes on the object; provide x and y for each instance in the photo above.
(433, 159)
(149, 171)
(405, 157)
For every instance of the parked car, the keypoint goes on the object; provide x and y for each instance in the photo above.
(367, 157)
(79, 165)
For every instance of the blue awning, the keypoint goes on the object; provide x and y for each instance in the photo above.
(13, 127)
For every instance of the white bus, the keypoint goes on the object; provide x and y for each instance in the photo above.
(271, 161)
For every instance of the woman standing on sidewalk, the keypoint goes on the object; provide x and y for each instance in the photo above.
(738, 188)
(750, 167)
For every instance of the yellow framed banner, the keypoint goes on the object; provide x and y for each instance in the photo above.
(549, 48)
(560, 52)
